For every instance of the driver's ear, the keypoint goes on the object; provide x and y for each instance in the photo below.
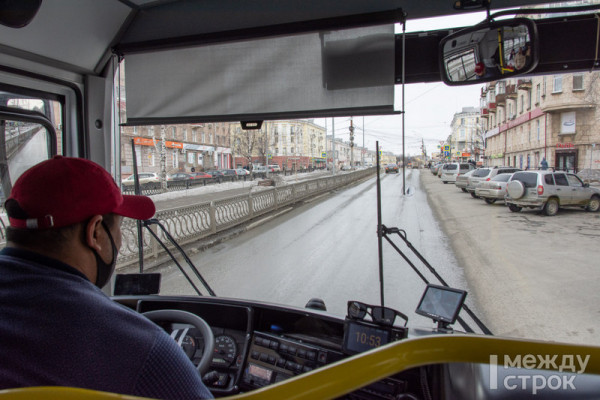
(92, 232)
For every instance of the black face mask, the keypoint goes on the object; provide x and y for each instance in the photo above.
(104, 270)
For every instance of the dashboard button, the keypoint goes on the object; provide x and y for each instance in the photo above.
(274, 345)
(255, 355)
(311, 355)
(284, 348)
(271, 360)
(322, 357)
(292, 351)
(301, 353)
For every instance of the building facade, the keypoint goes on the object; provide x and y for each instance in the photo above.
(466, 140)
(554, 117)
(188, 147)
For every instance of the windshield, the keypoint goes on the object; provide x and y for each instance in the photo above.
(300, 220)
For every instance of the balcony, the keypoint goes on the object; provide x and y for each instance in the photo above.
(524, 84)
(500, 99)
(511, 91)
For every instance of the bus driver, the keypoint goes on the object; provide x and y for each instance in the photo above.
(57, 328)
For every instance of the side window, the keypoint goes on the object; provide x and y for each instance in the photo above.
(574, 181)
(548, 180)
(561, 179)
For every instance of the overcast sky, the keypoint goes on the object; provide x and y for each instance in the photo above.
(430, 107)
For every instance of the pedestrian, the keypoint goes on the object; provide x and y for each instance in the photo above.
(57, 327)
(544, 163)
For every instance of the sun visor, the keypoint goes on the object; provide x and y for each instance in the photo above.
(318, 74)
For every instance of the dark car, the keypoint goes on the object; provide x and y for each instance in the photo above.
(200, 175)
(229, 172)
(215, 173)
(391, 168)
(179, 176)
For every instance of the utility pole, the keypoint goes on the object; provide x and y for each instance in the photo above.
(362, 152)
(333, 145)
(351, 143)
(163, 158)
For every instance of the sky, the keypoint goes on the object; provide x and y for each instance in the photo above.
(429, 107)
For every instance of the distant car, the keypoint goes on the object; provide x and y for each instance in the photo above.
(494, 189)
(463, 180)
(485, 174)
(145, 178)
(200, 175)
(391, 168)
(259, 169)
(242, 171)
(435, 168)
(274, 168)
(548, 191)
(179, 176)
(229, 172)
(215, 173)
(452, 170)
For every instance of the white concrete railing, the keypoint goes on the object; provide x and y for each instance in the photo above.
(190, 223)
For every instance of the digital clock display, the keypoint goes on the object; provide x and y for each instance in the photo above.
(359, 337)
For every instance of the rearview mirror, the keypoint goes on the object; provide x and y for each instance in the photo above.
(489, 51)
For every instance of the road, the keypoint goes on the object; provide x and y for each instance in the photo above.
(328, 248)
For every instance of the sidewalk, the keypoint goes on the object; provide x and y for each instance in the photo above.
(532, 276)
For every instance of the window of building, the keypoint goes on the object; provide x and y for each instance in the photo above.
(210, 138)
(151, 159)
(194, 134)
(537, 128)
(529, 99)
(577, 82)
(538, 93)
(557, 84)
(173, 132)
(175, 158)
(185, 135)
(544, 85)
(522, 104)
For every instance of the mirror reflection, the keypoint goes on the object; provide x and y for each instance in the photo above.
(492, 52)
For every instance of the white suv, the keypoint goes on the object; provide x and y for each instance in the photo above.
(451, 171)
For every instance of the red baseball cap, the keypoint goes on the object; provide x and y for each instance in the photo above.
(479, 67)
(65, 190)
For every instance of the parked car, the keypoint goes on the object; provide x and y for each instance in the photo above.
(200, 175)
(435, 168)
(275, 168)
(548, 190)
(259, 169)
(145, 178)
(229, 172)
(462, 180)
(494, 189)
(242, 171)
(179, 176)
(391, 168)
(485, 174)
(215, 173)
(452, 170)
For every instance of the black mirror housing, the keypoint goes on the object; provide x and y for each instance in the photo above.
(489, 51)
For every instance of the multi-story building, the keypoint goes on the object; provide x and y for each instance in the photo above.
(466, 139)
(188, 147)
(553, 117)
(291, 144)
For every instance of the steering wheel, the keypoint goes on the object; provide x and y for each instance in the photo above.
(184, 317)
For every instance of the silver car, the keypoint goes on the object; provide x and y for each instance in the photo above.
(548, 190)
(452, 170)
(494, 189)
(462, 180)
(486, 174)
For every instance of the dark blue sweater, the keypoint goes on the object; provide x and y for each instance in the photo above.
(58, 329)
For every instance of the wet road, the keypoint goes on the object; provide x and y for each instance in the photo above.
(328, 248)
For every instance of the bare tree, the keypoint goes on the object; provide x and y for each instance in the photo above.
(248, 143)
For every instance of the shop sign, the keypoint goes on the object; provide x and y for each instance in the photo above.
(466, 155)
(565, 146)
(151, 142)
(496, 156)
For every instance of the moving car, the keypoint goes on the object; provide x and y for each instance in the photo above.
(391, 168)
(548, 191)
